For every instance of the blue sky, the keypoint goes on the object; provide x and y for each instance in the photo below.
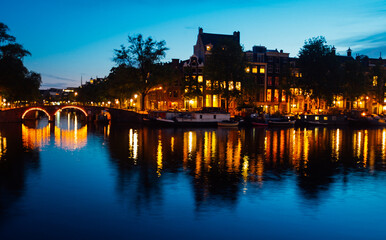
(73, 38)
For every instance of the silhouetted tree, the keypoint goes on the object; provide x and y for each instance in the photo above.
(320, 69)
(16, 82)
(142, 54)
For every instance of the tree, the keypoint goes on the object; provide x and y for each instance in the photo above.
(320, 69)
(16, 81)
(142, 54)
(226, 66)
(121, 82)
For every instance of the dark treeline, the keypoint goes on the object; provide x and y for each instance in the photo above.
(17, 83)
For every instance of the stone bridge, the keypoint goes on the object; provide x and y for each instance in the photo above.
(91, 113)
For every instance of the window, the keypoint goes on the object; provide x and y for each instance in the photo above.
(200, 79)
(276, 96)
(254, 70)
(282, 95)
(270, 59)
(375, 81)
(208, 48)
(208, 84)
(262, 70)
(276, 81)
(238, 86)
(277, 69)
(270, 68)
(200, 116)
(269, 81)
(247, 70)
(269, 93)
(214, 116)
(230, 85)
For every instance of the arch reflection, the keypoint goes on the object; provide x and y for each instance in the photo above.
(69, 138)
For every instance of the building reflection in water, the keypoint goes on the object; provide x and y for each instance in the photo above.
(227, 162)
(3, 145)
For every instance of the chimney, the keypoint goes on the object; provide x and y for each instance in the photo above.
(237, 35)
(349, 52)
(200, 30)
(333, 50)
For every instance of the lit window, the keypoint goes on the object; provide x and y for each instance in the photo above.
(283, 96)
(230, 85)
(375, 81)
(325, 118)
(254, 70)
(316, 118)
(262, 70)
(276, 96)
(208, 48)
(200, 79)
(269, 93)
(238, 86)
(247, 70)
(208, 84)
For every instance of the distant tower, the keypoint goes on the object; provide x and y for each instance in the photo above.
(333, 50)
(349, 52)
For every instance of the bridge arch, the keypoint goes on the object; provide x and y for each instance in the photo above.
(36, 109)
(72, 107)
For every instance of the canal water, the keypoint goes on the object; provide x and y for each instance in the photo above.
(78, 181)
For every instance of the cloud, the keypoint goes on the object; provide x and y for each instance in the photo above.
(60, 85)
(58, 77)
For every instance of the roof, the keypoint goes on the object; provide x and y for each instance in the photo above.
(210, 38)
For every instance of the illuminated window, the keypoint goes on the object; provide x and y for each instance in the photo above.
(254, 70)
(296, 74)
(200, 79)
(208, 100)
(282, 95)
(325, 118)
(230, 85)
(269, 95)
(262, 70)
(316, 118)
(247, 70)
(215, 101)
(208, 48)
(224, 84)
(238, 86)
(208, 84)
(300, 75)
(375, 81)
(276, 96)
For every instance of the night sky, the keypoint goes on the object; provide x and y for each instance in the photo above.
(74, 38)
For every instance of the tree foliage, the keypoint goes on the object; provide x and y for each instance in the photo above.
(16, 81)
(320, 69)
(144, 55)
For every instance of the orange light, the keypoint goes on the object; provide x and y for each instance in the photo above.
(363, 114)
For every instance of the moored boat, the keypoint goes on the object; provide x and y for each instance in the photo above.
(227, 124)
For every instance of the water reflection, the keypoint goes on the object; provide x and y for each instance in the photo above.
(227, 162)
(67, 133)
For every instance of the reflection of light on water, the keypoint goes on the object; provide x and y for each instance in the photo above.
(71, 139)
(3, 145)
(337, 144)
(35, 138)
(359, 143)
(159, 156)
(190, 142)
(244, 172)
(365, 146)
(306, 147)
(172, 144)
(133, 143)
(384, 144)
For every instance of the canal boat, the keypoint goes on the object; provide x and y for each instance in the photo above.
(288, 123)
(205, 117)
(228, 124)
(259, 124)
